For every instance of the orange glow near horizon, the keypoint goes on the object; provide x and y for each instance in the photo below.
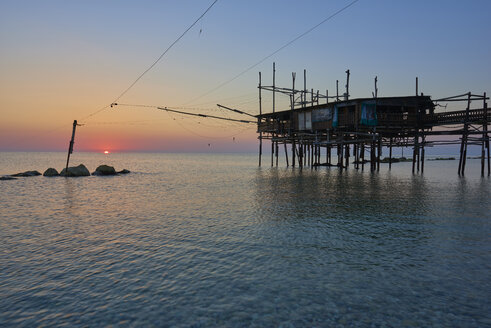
(106, 152)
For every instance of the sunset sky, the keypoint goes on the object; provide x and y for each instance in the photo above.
(65, 60)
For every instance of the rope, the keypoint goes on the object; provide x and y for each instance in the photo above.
(163, 54)
(154, 63)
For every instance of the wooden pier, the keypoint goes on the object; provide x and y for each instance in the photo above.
(318, 126)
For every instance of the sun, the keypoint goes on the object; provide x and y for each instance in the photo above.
(106, 152)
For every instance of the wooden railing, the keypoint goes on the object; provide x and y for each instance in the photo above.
(458, 117)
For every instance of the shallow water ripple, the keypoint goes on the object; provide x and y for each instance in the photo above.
(206, 241)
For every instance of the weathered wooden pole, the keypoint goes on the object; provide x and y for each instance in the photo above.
(259, 121)
(300, 154)
(418, 154)
(260, 147)
(414, 151)
(293, 151)
(346, 97)
(347, 153)
(337, 90)
(463, 146)
(272, 149)
(423, 152)
(286, 153)
(312, 147)
(390, 153)
(373, 158)
(328, 148)
(379, 152)
(356, 147)
(70, 147)
(484, 135)
(376, 89)
(277, 150)
(305, 154)
(308, 154)
(341, 148)
(292, 127)
(362, 155)
(304, 88)
(274, 84)
(486, 131)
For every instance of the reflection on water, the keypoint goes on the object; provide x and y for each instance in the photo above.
(201, 240)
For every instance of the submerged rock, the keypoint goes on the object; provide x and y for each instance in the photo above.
(76, 171)
(27, 174)
(124, 171)
(51, 172)
(7, 177)
(104, 170)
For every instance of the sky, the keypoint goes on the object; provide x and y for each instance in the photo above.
(67, 60)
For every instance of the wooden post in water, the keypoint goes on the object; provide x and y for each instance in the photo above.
(418, 154)
(260, 147)
(308, 154)
(414, 151)
(300, 154)
(463, 145)
(390, 153)
(328, 148)
(379, 152)
(312, 154)
(423, 152)
(70, 147)
(486, 131)
(259, 121)
(286, 153)
(362, 155)
(355, 153)
(293, 152)
(346, 162)
(341, 148)
(373, 158)
(272, 149)
(484, 135)
(276, 152)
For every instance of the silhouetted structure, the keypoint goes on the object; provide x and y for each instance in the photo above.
(313, 126)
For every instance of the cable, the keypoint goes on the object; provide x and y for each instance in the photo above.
(203, 136)
(163, 54)
(155, 62)
(273, 53)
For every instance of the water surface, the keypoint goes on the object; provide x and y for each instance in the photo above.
(213, 240)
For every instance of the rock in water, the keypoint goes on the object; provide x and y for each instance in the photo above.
(7, 177)
(104, 170)
(124, 171)
(51, 172)
(76, 171)
(27, 174)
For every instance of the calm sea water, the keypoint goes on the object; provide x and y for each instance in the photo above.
(213, 240)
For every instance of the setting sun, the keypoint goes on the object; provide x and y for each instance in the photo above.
(106, 151)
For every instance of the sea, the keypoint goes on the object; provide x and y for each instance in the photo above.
(214, 240)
